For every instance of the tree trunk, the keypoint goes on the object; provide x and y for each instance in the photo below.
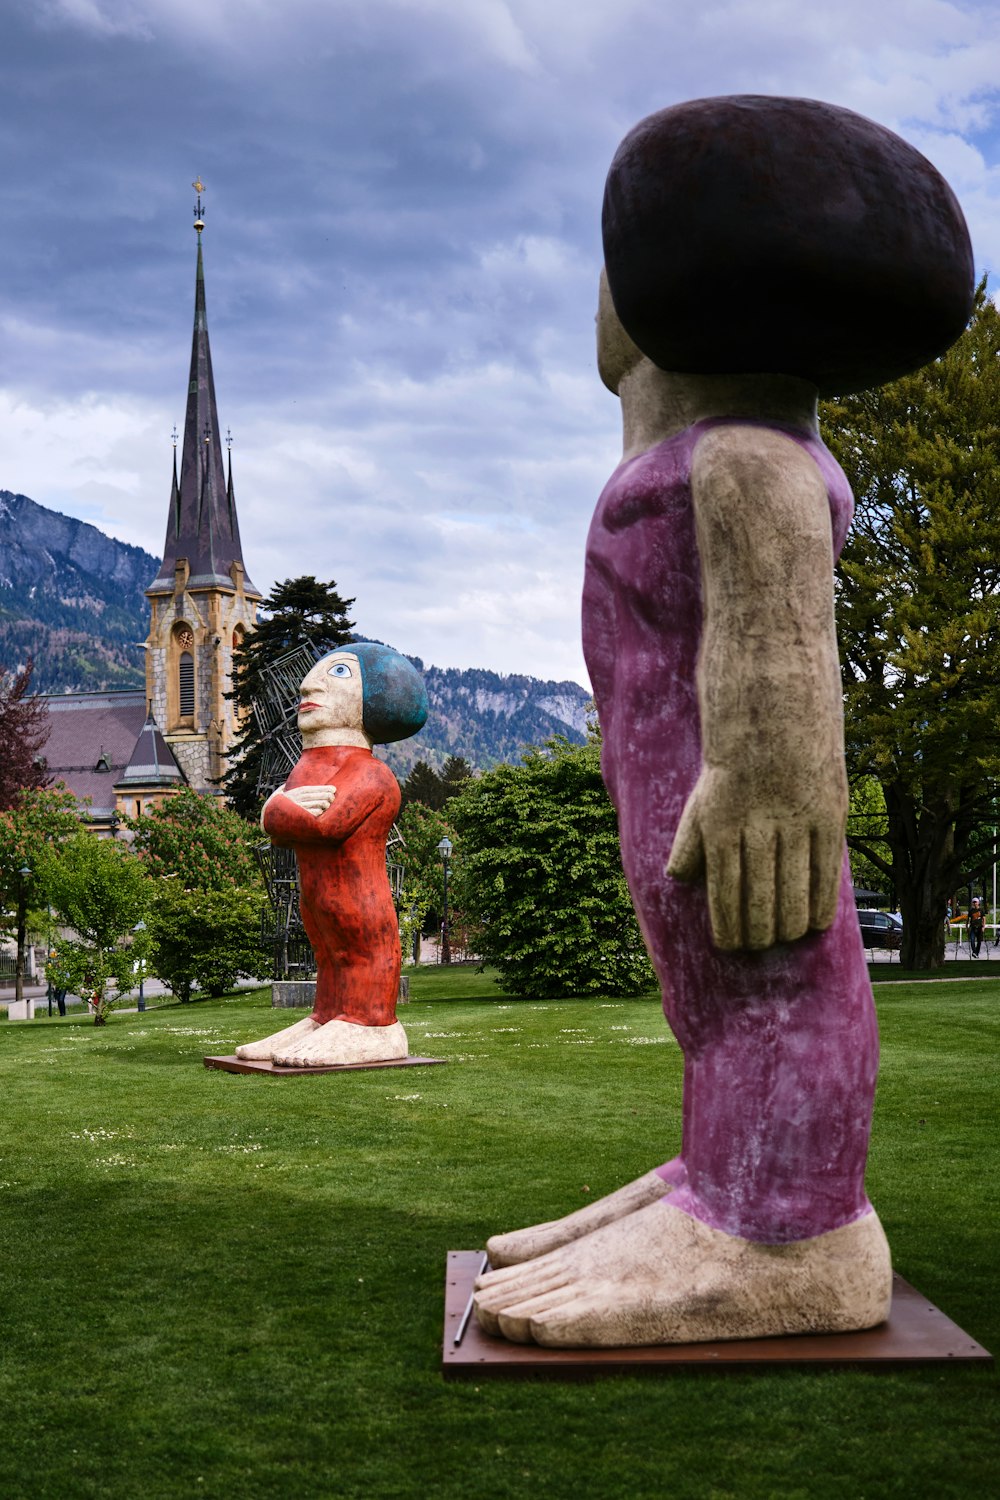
(923, 942)
(922, 848)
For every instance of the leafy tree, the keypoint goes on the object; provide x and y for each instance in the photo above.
(24, 728)
(28, 834)
(99, 889)
(541, 876)
(199, 842)
(208, 936)
(919, 617)
(298, 612)
(205, 916)
(422, 828)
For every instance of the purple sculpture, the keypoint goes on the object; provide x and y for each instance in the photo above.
(757, 250)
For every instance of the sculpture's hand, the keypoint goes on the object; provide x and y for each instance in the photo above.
(315, 799)
(772, 873)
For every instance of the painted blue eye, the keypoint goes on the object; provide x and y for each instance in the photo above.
(341, 670)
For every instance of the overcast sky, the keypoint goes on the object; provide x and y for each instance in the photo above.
(402, 249)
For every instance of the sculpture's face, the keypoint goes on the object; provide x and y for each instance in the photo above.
(332, 694)
(616, 353)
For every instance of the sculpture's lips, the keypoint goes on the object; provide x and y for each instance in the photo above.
(304, 708)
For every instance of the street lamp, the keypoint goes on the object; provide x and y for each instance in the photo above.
(444, 849)
(138, 929)
(25, 873)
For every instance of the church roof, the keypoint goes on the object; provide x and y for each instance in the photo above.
(91, 741)
(202, 525)
(100, 741)
(151, 762)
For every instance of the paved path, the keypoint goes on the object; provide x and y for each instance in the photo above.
(153, 989)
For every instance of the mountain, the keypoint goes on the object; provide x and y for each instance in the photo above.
(73, 599)
(486, 717)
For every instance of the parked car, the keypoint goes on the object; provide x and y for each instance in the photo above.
(880, 929)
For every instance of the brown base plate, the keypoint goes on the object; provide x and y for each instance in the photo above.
(239, 1065)
(916, 1332)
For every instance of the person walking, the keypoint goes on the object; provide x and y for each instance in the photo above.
(977, 926)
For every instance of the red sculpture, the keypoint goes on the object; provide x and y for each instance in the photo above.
(336, 810)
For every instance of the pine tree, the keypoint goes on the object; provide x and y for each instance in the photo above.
(299, 612)
(434, 788)
(919, 619)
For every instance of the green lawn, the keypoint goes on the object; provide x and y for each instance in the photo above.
(217, 1285)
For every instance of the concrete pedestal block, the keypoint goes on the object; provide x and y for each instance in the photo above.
(290, 993)
(21, 1010)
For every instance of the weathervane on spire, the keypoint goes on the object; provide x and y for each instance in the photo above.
(174, 435)
(199, 221)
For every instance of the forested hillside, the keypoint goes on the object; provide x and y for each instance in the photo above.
(71, 598)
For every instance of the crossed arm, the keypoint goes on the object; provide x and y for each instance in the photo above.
(311, 814)
(764, 825)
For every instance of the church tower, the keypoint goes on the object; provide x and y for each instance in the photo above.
(202, 601)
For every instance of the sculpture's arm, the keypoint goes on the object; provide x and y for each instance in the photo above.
(765, 822)
(298, 817)
(315, 799)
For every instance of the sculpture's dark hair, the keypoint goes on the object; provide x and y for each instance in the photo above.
(758, 234)
(394, 696)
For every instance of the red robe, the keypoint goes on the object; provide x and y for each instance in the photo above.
(345, 897)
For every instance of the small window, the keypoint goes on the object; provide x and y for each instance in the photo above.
(185, 679)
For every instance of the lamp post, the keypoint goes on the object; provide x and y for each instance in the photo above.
(444, 849)
(25, 873)
(138, 929)
(48, 953)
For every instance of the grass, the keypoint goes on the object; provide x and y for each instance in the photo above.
(216, 1285)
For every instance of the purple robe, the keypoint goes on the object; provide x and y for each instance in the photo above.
(781, 1046)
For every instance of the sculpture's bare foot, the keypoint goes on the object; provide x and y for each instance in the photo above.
(527, 1244)
(343, 1042)
(661, 1277)
(264, 1051)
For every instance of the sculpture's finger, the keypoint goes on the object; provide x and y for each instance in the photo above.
(724, 884)
(687, 853)
(792, 885)
(757, 903)
(827, 855)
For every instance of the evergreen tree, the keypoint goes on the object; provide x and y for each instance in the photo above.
(433, 788)
(297, 613)
(919, 619)
(24, 728)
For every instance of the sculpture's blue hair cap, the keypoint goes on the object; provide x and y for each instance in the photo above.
(395, 699)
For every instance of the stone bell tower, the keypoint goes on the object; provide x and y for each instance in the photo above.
(202, 601)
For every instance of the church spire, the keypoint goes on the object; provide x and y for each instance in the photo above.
(202, 527)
